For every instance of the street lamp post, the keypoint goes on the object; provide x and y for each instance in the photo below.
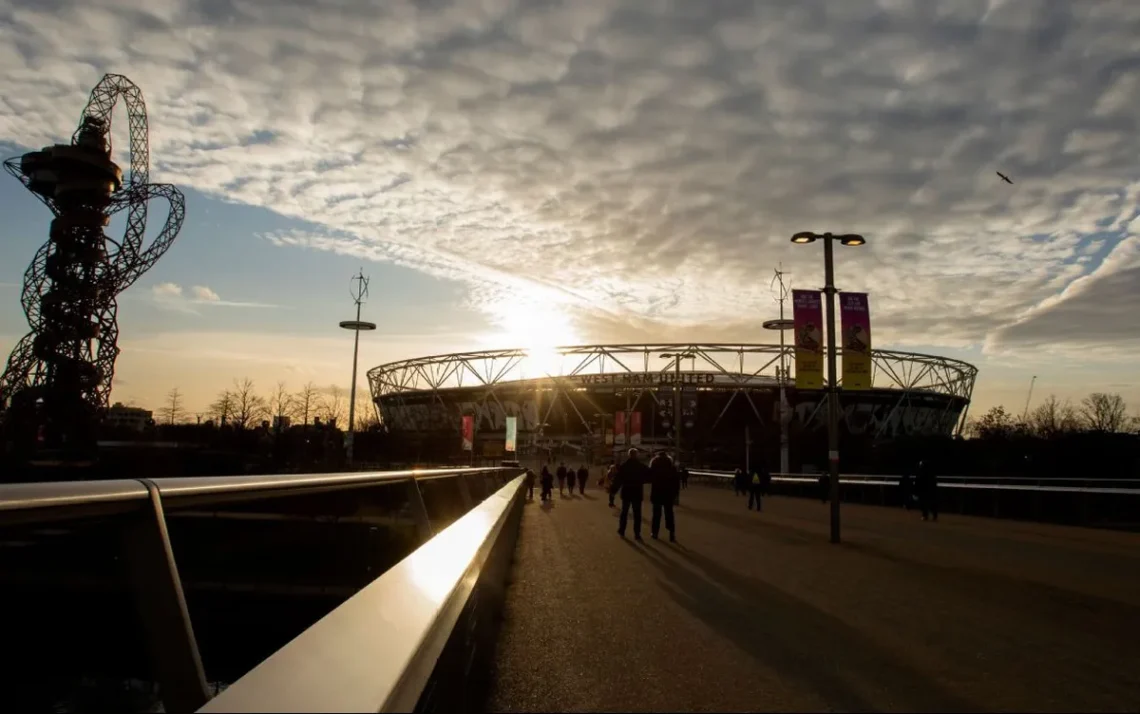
(782, 379)
(358, 294)
(677, 357)
(832, 386)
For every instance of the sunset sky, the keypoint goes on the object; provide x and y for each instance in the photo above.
(538, 173)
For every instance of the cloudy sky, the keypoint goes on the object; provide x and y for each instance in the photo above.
(522, 173)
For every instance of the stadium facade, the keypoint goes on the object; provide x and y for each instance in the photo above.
(572, 396)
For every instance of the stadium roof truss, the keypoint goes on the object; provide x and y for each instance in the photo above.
(740, 367)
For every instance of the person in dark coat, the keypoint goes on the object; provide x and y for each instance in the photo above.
(927, 486)
(684, 477)
(530, 479)
(583, 476)
(547, 483)
(738, 482)
(630, 478)
(755, 489)
(562, 480)
(665, 483)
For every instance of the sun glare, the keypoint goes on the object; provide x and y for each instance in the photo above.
(538, 329)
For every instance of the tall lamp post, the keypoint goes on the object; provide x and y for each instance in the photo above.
(358, 292)
(782, 379)
(603, 417)
(677, 357)
(849, 239)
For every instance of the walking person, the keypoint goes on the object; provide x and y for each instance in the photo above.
(562, 480)
(738, 482)
(754, 490)
(530, 479)
(547, 483)
(611, 476)
(583, 476)
(630, 478)
(684, 477)
(665, 485)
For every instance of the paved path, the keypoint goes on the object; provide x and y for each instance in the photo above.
(759, 612)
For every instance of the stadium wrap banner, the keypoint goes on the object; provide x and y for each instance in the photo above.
(807, 311)
(855, 312)
(635, 428)
(619, 428)
(512, 433)
(468, 432)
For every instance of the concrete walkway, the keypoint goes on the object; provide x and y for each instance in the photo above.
(758, 612)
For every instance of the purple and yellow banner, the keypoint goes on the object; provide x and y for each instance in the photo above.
(807, 313)
(856, 315)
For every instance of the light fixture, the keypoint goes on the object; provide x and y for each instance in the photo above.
(852, 239)
(804, 237)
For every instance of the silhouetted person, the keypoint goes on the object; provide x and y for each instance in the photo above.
(583, 476)
(738, 482)
(665, 483)
(756, 488)
(530, 479)
(611, 479)
(547, 483)
(684, 477)
(630, 478)
(562, 480)
(927, 486)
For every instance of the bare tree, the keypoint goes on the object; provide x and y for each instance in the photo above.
(1105, 413)
(367, 419)
(280, 402)
(248, 405)
(306, 402)
(332, 406)
(172, 411)
(223, 407)
(1053, 417)
(997, 423)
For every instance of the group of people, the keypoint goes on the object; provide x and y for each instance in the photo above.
(665, 481)
(566, 477)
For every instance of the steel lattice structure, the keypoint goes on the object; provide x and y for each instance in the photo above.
(725, 367)
(59, 375)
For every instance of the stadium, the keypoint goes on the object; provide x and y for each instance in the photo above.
(575, 401)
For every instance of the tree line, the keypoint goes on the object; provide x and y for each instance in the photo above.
(243, 407)
(1098, 413)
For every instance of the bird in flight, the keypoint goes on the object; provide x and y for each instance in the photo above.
(1005, 178)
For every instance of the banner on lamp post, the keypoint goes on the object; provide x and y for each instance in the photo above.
(512, 433)
(807, 311)
(468, 433)
(635, 428)
(855, 313)
(619, 428)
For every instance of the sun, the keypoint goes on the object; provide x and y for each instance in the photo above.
(539, 329)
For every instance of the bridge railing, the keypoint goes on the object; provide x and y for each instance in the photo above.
(138, 509)
(1078, 500)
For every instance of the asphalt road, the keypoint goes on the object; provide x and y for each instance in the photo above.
(758, 612)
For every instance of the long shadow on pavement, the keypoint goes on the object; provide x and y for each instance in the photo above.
(795, 639)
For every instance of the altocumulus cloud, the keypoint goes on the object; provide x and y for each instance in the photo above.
(642, 164)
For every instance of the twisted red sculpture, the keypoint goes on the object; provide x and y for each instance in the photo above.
(58, 377)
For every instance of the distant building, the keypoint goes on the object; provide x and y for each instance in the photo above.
(122, 416)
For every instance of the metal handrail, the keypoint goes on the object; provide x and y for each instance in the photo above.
(31, 501)
(883, 480)
(378, 650)
(139, 508)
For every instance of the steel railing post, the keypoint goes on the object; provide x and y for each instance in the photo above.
(162, 607)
